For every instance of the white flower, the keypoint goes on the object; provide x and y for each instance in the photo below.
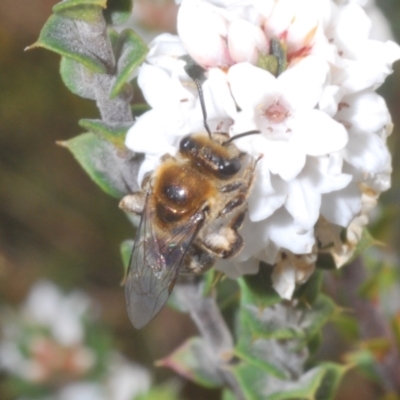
(50, 328)
(283, 109)
(46, 305)
(322, 128)
(126, 380)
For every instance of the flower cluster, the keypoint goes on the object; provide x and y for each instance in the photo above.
(53, 346)
(303, 73)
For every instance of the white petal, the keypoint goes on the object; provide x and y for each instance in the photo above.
(147, 135)
(367, 153)
(303, 83)
(250, 85)
(203, 32)
(217, 96)
(330, 98)
(267, 195)
(82, 391)
(325, 173)
(317, 133)
(163, 45)
(284, 159)
(236, 269)
(303, 202)
(246, 41)
(284, 279)
(285, 233)
(43, 302)
(364, 112)
(342, 206)
(373, 65)
(347, 37)
(126, 381)
(161, 90)
(256, 237)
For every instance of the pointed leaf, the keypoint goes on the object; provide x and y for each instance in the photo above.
(196, 361)
(164, 392)
(139, 108)
(118, 11)
(84, 10)
(365, 362)
(114, 134)
(228, 395)
(366, 241)
(61, 36)
(286, 321)
(115, 172)
(77, 78)
(317, 384)
(131, 51)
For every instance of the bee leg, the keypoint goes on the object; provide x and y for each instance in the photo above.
(133, 203)
(237, 222)
(233, 204)
(224, 243)
(231, 187)
(197, 261)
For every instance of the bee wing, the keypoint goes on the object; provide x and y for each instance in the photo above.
(154, 265)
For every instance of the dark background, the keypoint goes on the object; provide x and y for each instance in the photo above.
(55, 223)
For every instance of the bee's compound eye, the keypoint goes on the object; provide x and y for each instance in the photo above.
(187, 144)
(230, 167)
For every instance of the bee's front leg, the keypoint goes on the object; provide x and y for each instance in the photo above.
(134, 202)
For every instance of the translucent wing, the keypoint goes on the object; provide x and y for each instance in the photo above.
(154, 265)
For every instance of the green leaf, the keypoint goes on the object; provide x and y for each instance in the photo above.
(118, 11)
(366, 241)
(257, 289)
(309, 291)
(365, 362)
(316, 384)
(286, 321)
(61, 36)
(108, 168)
(84, 10)
(113, 36)
(77, 78)
(114, 134)
(196, 361)
(314, 343)
(257, 352)
(163, 392)
(126, 252)
(209, 281)
(140, 108)
(347, 325)
(130, 51)
(228, 395)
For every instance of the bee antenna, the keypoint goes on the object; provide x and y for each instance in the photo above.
(240, 135)
(203, 106)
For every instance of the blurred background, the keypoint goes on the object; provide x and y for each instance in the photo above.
(56, 224)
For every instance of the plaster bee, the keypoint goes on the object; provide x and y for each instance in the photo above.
(191, 209)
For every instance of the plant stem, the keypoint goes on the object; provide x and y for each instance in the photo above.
(205, 313)
(95, 38)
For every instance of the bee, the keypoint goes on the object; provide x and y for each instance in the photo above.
(191, 207)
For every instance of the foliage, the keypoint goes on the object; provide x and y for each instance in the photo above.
(270, 356)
